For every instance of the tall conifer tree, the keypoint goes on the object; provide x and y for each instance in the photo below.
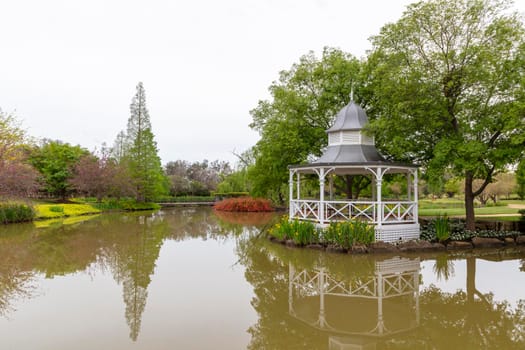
(140, 150)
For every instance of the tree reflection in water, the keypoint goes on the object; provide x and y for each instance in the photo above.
(128, 246)
(467, 319)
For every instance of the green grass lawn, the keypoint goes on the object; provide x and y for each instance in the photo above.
(456, 207)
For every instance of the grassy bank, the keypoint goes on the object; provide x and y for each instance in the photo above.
(53, 211)
(456, 207)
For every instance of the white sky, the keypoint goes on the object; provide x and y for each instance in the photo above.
(68, 68)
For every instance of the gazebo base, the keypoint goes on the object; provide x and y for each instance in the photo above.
(392, 233)
(397, 232)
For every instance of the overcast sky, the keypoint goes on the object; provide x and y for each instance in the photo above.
(69, 69)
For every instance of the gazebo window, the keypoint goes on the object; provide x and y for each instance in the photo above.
(351, 137)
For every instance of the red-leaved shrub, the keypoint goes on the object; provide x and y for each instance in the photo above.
(248, 204)
(246, 218)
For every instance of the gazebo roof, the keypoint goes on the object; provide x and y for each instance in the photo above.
(350, 154)
(350, 117)
(349, 148)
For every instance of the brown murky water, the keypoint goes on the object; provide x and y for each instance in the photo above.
(188, 279)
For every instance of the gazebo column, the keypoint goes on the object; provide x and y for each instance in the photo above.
(379, 212)
(291, 212)
(409, 186)
(321, 195)
(374, 190)
(331, 187)
(298, 186)
(416, 195)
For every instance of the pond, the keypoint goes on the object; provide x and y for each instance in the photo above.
(188, 278)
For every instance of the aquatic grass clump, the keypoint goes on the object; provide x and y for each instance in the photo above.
(442, 228)
(343, 234)
(11, 212)
(348, 233)
(301, 232)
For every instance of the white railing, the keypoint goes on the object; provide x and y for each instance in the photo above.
(343, 210)
(386, 212)
(398, 212)
(305, 210)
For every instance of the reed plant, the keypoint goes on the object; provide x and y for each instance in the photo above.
(442, 228)
(11, 212)
(343, 234)
(348, 233)
(301, 232)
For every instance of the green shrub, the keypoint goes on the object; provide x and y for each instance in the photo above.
(468, 235)
(56, 209)
(442, 228)
(222, 195)
(132, 205)
(184, 199)
(16, 212)
(127, 204)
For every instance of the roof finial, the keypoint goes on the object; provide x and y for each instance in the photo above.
(352, 93)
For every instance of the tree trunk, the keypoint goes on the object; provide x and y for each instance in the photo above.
(469, 203)
(349, 179)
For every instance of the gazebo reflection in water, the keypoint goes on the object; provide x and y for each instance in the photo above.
(357, 311)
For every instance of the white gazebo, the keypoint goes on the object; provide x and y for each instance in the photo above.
(352, 152)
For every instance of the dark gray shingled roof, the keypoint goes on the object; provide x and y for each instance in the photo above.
(350, 154)
(351, 117)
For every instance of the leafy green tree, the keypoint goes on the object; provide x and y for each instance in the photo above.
(452, 187)
(139, 151)
(55, 161)
(292, 124)
(446, 89)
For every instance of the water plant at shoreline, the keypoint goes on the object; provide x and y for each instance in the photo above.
(11, 212)
(247, 204)
(342, 234)
(348, 233)
(442, 228)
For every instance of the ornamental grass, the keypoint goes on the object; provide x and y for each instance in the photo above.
(11, 212)
(300, 232)
(343, 234)
(348, 233)
(244, 204)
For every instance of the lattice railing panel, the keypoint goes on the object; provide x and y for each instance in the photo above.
(343, 210)
(399, 211)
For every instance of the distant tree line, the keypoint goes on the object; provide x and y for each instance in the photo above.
(130, 168)
(197, 178)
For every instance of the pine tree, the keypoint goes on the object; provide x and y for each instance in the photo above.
(139, 151)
